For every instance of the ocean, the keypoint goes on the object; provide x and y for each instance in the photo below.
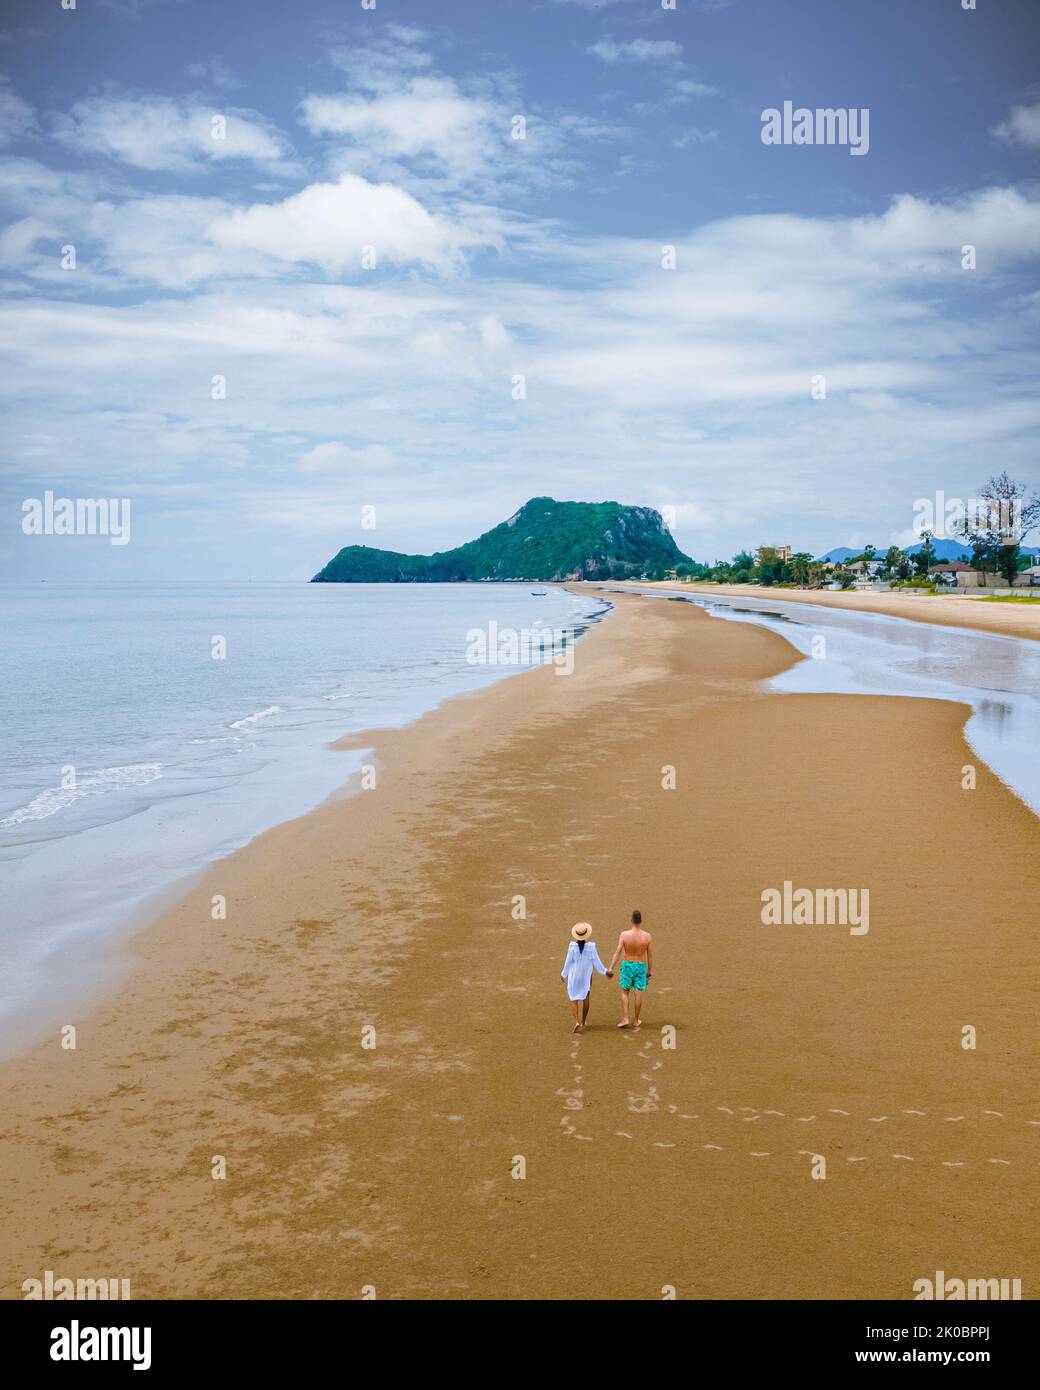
(153, 728)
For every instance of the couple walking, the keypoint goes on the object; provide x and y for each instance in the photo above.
(635, 952)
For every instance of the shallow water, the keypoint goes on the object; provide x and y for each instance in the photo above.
(178, 758)
(874, 654)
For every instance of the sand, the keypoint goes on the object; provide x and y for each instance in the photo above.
(645, 1167)
(948, 610)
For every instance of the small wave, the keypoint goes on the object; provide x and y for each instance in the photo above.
(56, 799)
(255, 718)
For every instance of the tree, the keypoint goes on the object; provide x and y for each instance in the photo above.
(802, 566)
(923, 558)
(1010, 516)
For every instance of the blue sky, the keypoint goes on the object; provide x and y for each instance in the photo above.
(391, 386)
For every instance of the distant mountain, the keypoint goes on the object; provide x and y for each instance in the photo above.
(942, 550)
(545, 540)
(839, 553)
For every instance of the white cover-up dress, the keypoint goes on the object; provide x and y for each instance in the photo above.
(578, 967)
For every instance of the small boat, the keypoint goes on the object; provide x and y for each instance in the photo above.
(539, 593)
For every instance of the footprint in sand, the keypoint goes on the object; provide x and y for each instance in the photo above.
(748, 1118)
(995, 1113)
(877, 1119)
(915, 1112)
(643, 1105)
(837, 1112)
(954, 1119)
(717, 1147)
(758, 1155)
(774, 1112)
(659, 1145)
(951, 1164)
(725, 1108)
(857, 1160)
(620, 1134)
(1006, 1161)
(905, 1157)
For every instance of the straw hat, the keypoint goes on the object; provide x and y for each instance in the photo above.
(581, 931)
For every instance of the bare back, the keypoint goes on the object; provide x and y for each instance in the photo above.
(635, 944)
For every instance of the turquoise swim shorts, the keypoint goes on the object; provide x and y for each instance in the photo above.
(633, 974)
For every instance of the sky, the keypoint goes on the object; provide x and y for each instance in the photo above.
(292, 277)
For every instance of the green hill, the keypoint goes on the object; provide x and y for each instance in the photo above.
(545, 540)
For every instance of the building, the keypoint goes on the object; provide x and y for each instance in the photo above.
(950, 572)
(773, 552)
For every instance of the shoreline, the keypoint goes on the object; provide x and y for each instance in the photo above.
(85, 956)
(1003, 620)
(393, 909)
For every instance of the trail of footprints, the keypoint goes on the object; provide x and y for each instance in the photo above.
(650, 1102)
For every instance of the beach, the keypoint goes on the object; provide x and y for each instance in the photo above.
(948, 610)
(376, 1042)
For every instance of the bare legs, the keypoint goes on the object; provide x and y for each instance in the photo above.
(624, 1008)
(580, 1011)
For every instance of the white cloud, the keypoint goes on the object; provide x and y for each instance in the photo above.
(1022, 127)
(399, 119)
(431, 119)
(684, 88)
(158, 133)
(17, 117)
(341, 458)
(693, 136)
(637, 50)
(330, 225)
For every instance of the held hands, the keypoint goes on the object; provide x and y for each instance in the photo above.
(610, 974)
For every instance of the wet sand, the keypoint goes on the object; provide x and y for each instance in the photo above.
(645, 1166)
(948, 610)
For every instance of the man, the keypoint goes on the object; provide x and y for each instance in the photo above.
(635, 952)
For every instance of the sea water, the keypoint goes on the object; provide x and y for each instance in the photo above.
(997, 677)
(150, 729)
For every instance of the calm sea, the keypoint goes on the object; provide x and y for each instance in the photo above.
(150, 729)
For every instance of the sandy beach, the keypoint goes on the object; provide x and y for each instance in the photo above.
(360, 1160)
(943, 609)
(947, 610)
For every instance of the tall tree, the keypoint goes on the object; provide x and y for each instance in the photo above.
(1011, 514)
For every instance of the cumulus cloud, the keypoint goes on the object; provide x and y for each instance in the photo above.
(332, 224)
(1022, 127)
(158, 133)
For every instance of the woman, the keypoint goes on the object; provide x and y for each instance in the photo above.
(582, 959)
